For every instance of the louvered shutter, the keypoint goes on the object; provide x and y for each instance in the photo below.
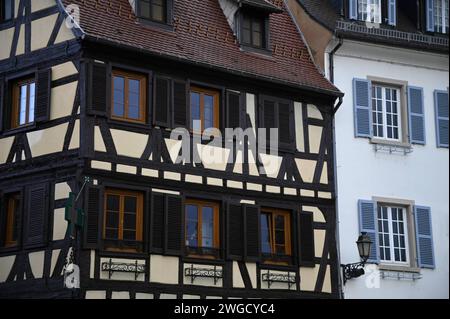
(161, 102)
(353, 9)
(43, 94)
(430, 15)
(36, 216)
(392, 12)
(234, 110)
(362, 108)
(424, 237)
(2, 220)
(285, 129)
(2, 102)
(94, 211)
(306, 238)
(235, 232)
(174, 225)
(158, 204)
(368, 224)
(441, 114)
(180, 105)
(416, 115)
(97, 89)
(252, 236)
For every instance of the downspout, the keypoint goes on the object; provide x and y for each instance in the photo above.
(331, 59)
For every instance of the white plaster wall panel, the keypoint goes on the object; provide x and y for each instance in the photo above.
(308, 278)
(75, 140)
(273, 189)
(314, 112)
(150, 172)
(164, 269)
(174, 147)
(167, 296)
(55, 255)
(237, 169)
(128, 143)
(64, 34)
(47, 141)
(315, 137)
(16, 7)
(165, 191)
(120, 295)
(123, 276)
(140, 295)
(290, 191)
(252, 271)
(5, 147)
(324, 175)
(306, 169)
(191, 297)
(235, 184)
(199, 281)
(212, 157)
(63, 70)
(325, 195)
(95, 294)
(214, 181)
(252, 168)
(392, 175)
(319, 241)
(327, 281)
(214, 297)
(299, 132)
(194, 179)
(62, 100)
(41, 4)
(238, 282)
(59, 224)
(251, 110)
(21, 41)
(92, 264)
(271, 164)
(41, 31)
(127, 169)
(37, 263)
(62, 190)
(99, 144)
(101, 165)
(172, 176)
(254, 187)
(317, 213)
(6, 37)
(6, 264)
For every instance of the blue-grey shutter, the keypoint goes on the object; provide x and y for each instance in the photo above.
(353, 9)
(430, 15)
(424, 237)
(362, 108)
(392, 12)
(441, 113)
(368, 224)
(416, 115)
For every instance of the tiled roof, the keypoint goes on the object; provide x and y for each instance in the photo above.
(202, 35)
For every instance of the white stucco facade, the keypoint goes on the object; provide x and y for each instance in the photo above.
(421, 176)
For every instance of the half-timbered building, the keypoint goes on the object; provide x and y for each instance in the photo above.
(91, 174)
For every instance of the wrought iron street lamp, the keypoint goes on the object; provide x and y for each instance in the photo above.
(356, 270)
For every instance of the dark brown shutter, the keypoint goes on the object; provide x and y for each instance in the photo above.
(235, 233)
(158, 204)
(98, 83)
(284, 118)
(36, 216)
(306, 238)
(2, 219)
(233, 110)
(2, 102)
(180, 109)
(94, 211)
(43, 93)
(174, 225)
(252, 237)
(162, 102)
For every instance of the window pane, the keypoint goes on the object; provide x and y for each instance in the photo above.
(112, 219)
(129, 221)
(133, 99)
(208, 111)
(266, 247)
(112, 233)
(112, 203)
(16, 219)
(195, 110)
(191, 226)
(279, 222)
(257, 33)
(32, 100)
(129, 235)
(144, 8)
(279, 237)
(23, 105)
(158, 10)
(246, 30)
(130, 205)
(207, 227)
(280, 249)
(119, 96)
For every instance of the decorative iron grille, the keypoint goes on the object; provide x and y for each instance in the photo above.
(286, 278)
(194, 273)
(112, 267)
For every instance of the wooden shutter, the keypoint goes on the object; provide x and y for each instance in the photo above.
(441, 114)
(368, 223)
(2, 102)
(252, 236)
(306, 239)
(234, 111)
(180, 104)
(424, 237)
(235, 232)
(353, 9)
(94, 213)
(429, 12)
(174, 225)
(362, 108)
(43, 94)
(2, 219)
(36, 216)
(416, 115)
(161, 102)
(392, 12)
(285, 129)
(158, 204)
(98, 83)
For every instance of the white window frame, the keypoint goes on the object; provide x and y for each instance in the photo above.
(444, 4)
(385, 114)
(406, 222)
(373, 10)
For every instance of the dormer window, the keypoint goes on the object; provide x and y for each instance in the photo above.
(6, 10)
(158, 11)
(254, 31)
(440, 13)
(369, 10)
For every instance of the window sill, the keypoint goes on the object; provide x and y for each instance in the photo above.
(20, 129)
(390, 147)
(261, 52)
(398, 268)
(390, 143)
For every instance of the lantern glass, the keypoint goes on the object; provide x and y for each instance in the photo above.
(364, 244)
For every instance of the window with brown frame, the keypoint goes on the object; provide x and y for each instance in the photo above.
(10, 220)
(128, 96)
(23, 96)
(204, 108)
(276, 235)
(123, 220)
(202, 228)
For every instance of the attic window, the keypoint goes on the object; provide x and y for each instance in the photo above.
(253, 30)
(158, 11)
